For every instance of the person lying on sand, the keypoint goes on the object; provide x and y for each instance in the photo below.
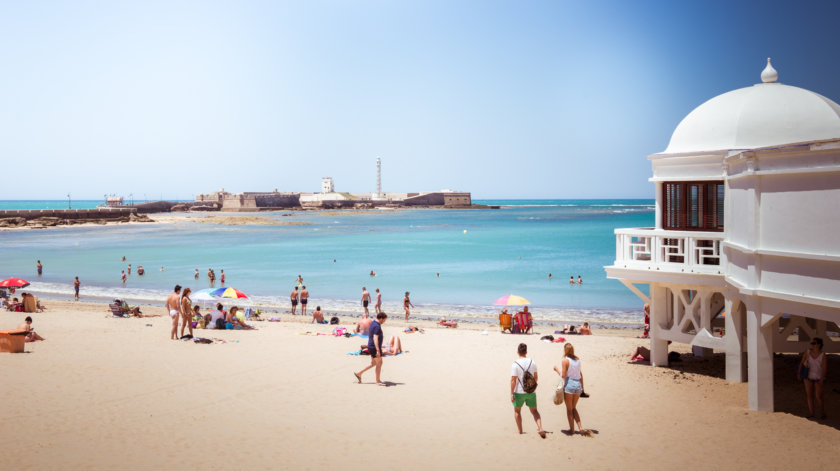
(445, 323)
(393, 347)
(569, 330)
(412, 329)
(31, 335)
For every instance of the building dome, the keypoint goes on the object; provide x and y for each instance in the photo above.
(764, 115)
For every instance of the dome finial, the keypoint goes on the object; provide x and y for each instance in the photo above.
(769, 74)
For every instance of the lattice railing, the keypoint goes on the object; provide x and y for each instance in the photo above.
(668, 250)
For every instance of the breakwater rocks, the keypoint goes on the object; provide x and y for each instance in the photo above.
(39, 218)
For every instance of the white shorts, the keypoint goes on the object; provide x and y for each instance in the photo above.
(173, 313)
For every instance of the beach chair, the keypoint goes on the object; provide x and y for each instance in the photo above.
(118, 311)
(522, 323)
(506, 322)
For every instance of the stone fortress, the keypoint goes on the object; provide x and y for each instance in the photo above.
(328, 198)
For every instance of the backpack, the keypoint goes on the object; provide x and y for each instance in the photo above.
(529, 383)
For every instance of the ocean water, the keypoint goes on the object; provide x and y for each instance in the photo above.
(454, 262)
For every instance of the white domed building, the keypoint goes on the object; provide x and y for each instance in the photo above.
(745, 255)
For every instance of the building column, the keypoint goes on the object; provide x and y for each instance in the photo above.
(660, 203)
(658, 315)
(760, 360)
(736, 358)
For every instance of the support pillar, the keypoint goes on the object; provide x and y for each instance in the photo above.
(735, 326)
(760, 361)
(658, 316)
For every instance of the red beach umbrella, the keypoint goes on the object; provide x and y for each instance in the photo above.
(14, 283)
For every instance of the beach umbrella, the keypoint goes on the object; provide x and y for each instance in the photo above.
(231, 293)
(511, 300)
(203, 296)
(13, 283)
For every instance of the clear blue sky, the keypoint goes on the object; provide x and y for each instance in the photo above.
(507, 99)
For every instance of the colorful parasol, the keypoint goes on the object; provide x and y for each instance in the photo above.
(231, 293)
(511, 300)
(13, 283)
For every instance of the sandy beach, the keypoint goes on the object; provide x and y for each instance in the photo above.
(108, 393)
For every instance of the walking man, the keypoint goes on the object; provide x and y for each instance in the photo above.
(173, 305)
(76, 287)
(294, 298)
(365, 300)
(518, 396)
(378, 306)
(304, 298)
(375, 348)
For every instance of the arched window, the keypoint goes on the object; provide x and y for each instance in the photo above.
(693, 206)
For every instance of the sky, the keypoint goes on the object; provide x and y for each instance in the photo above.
(504, 99)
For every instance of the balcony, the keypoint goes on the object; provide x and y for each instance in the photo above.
(672, 251)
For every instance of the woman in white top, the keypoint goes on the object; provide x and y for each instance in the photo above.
(815, 360)
(573, 386)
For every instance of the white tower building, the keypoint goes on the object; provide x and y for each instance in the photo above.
(747, 218)
(327, 185)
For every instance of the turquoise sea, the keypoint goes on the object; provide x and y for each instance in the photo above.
(454, 262)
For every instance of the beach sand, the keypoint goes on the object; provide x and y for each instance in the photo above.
(108, 393)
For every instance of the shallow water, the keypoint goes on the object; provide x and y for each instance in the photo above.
(454, 262)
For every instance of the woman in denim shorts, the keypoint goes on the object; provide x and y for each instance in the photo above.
(573, 386)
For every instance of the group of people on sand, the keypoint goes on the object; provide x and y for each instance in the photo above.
(180, 307)
(524, 378)
(23, 304)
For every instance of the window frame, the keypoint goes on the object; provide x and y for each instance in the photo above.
(710, 206)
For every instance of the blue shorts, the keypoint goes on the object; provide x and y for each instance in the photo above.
(573, 386)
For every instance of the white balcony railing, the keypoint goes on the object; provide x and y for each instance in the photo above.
(657, 249)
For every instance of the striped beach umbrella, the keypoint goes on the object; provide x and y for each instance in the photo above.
(511, 300)
(231, 293)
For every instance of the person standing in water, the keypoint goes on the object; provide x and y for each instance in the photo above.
(76, 287)
(378, 306)
(39, 267)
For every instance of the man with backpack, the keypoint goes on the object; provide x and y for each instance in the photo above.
(523, 384)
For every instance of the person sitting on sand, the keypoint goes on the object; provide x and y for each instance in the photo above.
(235, 322)
(393, 347)
(585, 330)
(640, 354)
(15, 305)
(31, 335)
(363, 326)
(447, 323)
(318, 316)
(212, 319)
